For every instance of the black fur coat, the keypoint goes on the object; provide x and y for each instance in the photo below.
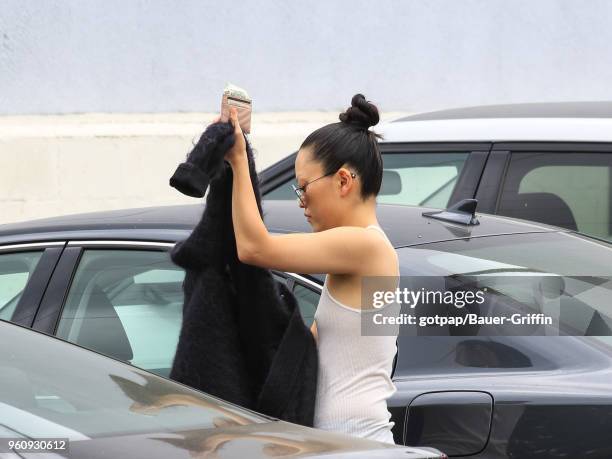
(242, 338)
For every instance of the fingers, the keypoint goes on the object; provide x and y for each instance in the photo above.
(235, 122)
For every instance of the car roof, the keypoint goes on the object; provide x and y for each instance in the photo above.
(404, 225)
(550, 122)
(593, 109)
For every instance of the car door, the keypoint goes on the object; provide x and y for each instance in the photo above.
(123, 299)
(562, 184)
(25, 270)
(424, 174)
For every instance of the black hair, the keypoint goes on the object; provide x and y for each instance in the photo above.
(350, 142)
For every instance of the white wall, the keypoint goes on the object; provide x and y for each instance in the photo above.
(55, 165)
(140, 56)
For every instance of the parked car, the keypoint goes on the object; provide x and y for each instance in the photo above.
(105, 281)
(546, 162)
(96, 407)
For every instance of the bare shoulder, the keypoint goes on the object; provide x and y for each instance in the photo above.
(377, 252)
(356, 237)
(380, 261)
(384, 259)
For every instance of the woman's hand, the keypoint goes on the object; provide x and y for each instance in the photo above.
(238, 150)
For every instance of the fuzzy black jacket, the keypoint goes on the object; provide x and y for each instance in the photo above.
(242, 338)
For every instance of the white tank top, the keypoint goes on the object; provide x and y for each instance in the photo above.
(354, 377)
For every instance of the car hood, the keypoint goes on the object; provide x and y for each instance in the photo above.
(265, 440)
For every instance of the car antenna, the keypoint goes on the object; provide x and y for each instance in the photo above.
(463, 212)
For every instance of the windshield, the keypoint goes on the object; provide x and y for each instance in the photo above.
(51, 388)
(578, 268)
(583, 265)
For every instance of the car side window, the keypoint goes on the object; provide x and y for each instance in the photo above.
(15, 270)
(307, 300)
(571, 190)
(425, 179)
(127, 304)
(283, 192)
(278, 278)
(420, 179)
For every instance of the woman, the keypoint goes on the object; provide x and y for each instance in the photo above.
(339, 173)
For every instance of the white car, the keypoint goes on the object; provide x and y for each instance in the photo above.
(545, 162)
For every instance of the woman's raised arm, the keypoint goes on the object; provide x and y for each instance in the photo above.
(337, 250)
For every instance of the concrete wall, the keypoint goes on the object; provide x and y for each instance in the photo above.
(55, 165)
(141, 56)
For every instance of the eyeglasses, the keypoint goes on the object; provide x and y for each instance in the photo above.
(299, 191)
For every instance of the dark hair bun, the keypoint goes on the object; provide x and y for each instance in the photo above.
(361, 113)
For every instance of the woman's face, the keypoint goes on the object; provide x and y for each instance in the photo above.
(321, 204)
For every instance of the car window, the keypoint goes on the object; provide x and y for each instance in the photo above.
(307, 300)
(282, 192)
(569, 190)
(51, 388)
(425, 179)
(582, 265)
(127, 304)
(420, 179)
(15, 270)
(279, 278)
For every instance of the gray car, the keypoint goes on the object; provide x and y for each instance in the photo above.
(76, 403)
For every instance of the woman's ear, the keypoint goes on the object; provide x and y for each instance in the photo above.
(347, 180)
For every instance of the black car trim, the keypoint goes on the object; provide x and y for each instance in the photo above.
(36, 286)
(469, 178)
(54, 297)
(501, 183)
(279, 166)
(555, 147)
(427, 147)
(489, 186)
(484, 167)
